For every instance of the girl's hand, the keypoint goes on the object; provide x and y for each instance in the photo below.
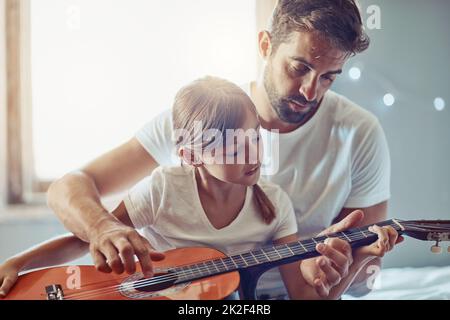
(9, 272)
(387, 239)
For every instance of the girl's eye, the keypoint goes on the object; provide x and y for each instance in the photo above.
(235, 154)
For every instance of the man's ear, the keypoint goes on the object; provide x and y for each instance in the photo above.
(189, 157)
(264, 44)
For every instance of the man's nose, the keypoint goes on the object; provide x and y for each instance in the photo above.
(309, 87)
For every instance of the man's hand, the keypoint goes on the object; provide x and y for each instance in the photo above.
(113, 246)
(326, 271)
(387, 238)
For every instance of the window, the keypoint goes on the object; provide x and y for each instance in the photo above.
(101, 69)
(84, 75)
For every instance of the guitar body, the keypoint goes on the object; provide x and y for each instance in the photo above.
(86, 283)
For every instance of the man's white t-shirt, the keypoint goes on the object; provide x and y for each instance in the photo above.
(338, 159)
(166, 207)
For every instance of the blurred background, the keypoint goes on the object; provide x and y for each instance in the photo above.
(79, 77)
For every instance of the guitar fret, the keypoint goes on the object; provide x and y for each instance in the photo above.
(240, 261)
(198, 268)
(223, 262)
(289, 248)
(206, 264)
(262, 250)
(298, 248)
(187, 269)
(310, 243)
(229, 263)
(185, 272)
(254, 257)
(270, 252)
(235, 264)
(215, 266)
(278, 253)
(243, 259)
(306, 250)
(345, 236)
(247, 256)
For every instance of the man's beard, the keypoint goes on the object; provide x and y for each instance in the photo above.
(281, 104)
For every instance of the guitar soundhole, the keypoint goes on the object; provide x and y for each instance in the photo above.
(165, 281)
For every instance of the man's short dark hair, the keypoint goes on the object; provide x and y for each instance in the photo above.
(339, 21)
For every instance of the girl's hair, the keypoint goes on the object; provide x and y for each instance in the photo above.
(215, 104)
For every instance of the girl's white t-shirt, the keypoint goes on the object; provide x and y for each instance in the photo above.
(166, 208)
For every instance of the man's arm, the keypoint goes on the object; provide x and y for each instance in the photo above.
(75, 198)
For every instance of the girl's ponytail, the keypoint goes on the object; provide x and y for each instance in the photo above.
(264, 204)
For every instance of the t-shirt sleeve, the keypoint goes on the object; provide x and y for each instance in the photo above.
(143, 200)
(156, 138)
(287, 223)
(371, 170)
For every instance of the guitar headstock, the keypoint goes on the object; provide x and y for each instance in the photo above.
(428, 230)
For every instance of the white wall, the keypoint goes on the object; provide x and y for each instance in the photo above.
(2, 106)
(408, 57)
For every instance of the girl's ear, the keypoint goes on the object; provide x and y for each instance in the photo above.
(190, 157)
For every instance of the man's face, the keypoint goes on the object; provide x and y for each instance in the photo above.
(298, 74)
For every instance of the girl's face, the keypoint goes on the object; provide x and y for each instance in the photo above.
(240, 155)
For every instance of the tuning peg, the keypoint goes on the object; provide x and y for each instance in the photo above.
(436, 248)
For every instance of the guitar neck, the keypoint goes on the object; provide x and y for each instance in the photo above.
(272, 256)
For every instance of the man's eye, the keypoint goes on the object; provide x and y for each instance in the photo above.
(300, 70)
(328, 78)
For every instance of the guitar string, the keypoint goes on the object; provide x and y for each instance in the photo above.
(274, 252)
(205, 268)
(202, 273)
(208, 270)
(406, 223)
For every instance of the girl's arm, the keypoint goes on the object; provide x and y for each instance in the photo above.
(296, 285)
(61, 249)
(52, 252)
(298, 288)
(56, 251)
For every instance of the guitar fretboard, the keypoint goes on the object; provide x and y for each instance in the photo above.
(275, 254)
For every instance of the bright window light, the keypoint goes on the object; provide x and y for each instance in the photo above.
(101, 69)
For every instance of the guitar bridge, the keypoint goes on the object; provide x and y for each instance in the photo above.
(54, 292)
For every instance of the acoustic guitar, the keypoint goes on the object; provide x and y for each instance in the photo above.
(200, 273)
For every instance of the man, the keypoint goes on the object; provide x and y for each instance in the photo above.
(333, 156)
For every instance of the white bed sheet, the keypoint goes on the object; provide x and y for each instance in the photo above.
(427, 283)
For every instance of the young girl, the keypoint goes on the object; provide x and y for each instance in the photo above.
(214, 199)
